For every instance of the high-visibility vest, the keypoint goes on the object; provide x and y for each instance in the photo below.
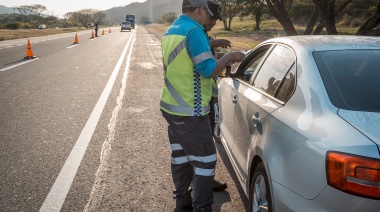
(185, 92)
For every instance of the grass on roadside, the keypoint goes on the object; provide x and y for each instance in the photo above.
(27, 33)
(243, 36)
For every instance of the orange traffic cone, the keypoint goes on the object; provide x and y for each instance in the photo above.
(76, 39)
(29, 52)
(103, 32)
(109, 31)
(92, 36)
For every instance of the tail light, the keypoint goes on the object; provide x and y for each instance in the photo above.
(354, 174)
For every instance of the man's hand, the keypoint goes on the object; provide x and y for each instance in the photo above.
(236, 56)
(220, 43)
(227, 59)
(218, 55)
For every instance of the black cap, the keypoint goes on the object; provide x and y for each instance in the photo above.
(215, 9)
(198, 3)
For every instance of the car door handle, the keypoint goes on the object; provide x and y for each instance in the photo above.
(256, 119)
(234, 99)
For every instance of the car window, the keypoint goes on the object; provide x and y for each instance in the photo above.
(253, 66)
(287, 85)
(274, 70)
(248, 67)
(351, 78)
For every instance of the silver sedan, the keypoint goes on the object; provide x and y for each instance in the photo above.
(300, 121)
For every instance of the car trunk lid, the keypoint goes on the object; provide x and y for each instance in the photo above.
(367, 123)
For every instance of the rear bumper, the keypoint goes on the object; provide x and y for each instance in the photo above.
(329, 199)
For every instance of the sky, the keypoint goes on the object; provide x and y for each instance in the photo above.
(60, 7)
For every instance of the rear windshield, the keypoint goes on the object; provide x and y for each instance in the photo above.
(352, 78)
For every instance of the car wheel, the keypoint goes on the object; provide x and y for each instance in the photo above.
(259, 194)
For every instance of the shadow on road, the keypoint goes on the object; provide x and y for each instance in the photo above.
(223, 197)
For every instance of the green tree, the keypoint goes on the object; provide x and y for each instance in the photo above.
(230, 9)
(168, 18)
(279, 9)
(370, 27)
(326, 11)
(255, 8)
(143, 19)
(31, 13)
(86, 17)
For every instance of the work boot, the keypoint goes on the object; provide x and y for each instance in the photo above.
(218, 186)
(184, 208)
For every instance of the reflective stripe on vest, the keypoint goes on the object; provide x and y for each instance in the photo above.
(201, 57)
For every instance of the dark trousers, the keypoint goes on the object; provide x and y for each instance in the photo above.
(193, 160)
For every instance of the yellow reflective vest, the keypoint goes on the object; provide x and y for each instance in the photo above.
(185, 92)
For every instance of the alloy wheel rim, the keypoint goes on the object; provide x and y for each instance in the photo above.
(260, 202)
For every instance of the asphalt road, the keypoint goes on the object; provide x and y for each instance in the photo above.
(81, 130)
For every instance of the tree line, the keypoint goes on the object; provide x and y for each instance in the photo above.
(31, 16)
(316, 15)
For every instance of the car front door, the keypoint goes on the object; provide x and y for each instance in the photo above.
(258, 98)
(227, 92)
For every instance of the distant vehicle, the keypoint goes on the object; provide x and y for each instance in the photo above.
(131, 19)
(125, 25)
(42, 27)
(300, 121)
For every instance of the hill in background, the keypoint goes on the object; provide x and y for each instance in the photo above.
(6, 10)
(152, 9)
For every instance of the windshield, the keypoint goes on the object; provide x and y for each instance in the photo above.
(352, 78)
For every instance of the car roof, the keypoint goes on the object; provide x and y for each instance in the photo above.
(329, 42)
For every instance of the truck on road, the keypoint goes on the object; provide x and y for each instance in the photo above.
(131, 19)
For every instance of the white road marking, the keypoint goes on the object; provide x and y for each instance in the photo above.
(72, 46)
(62, 184)
(19, 64)
(98, 187)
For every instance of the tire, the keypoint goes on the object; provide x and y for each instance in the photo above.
(260, 198)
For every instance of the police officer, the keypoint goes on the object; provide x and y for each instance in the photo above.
(96, 29)
(214, 43)
(189, 68)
